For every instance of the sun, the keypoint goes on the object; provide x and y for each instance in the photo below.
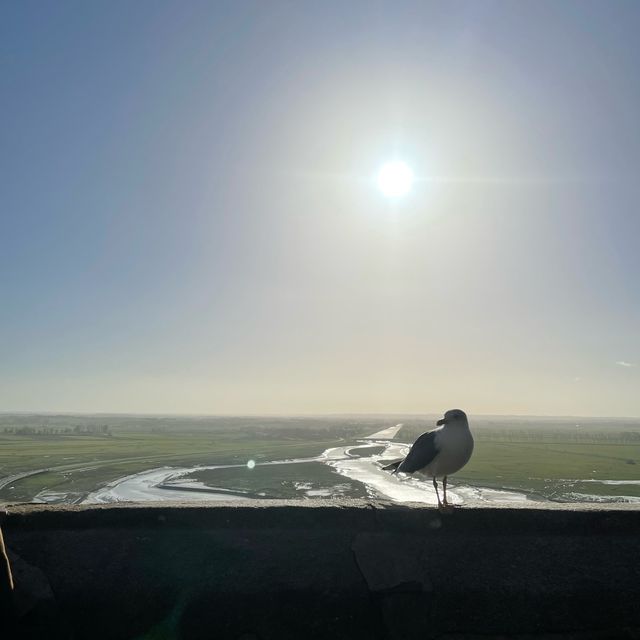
(394, 179)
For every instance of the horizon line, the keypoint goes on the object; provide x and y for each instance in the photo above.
(302, 415)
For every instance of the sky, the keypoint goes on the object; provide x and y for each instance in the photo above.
(189, 221)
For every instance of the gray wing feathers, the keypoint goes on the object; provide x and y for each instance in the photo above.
(422, 452)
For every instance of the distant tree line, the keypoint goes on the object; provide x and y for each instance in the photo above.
(78, 430)
(577, 436)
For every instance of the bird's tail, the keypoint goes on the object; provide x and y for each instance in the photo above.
(393, 467)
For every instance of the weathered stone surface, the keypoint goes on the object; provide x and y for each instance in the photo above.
(338, 569)
(31, 586)
(392, 562)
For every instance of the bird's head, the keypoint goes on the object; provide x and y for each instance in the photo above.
(454, 417)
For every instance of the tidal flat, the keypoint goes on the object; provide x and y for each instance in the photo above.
(82, 458)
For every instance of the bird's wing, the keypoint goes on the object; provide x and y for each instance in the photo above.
(423, 451)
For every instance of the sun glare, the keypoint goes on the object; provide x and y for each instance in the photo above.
(394, 179)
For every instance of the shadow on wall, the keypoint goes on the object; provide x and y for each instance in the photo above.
(340, 569)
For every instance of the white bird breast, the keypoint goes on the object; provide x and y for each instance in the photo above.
(455, 448)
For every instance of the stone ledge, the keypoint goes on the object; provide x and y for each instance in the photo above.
(577, 518)
(338, 569)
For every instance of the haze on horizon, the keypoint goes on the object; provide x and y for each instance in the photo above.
(190, 224)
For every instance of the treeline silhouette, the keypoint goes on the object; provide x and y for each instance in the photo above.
(78, 430)
(582, 437)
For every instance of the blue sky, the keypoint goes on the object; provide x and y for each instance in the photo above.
(188, 221)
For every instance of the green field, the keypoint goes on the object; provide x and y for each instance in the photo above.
(550, 458)
(551, 470)
(73, 455)
(77, 463)
(283, 481)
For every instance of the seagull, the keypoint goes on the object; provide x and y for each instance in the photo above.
(440, 452)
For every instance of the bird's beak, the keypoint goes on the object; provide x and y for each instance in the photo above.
(441, 422)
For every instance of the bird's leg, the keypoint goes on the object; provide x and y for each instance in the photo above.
(445, 505)
(435, 484)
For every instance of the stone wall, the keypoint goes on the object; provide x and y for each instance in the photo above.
(335, 569)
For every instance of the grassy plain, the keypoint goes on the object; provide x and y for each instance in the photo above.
(73, 455)
(76, 463)
(552, 470)
(298, 480)
(81, 463)
(552, 457)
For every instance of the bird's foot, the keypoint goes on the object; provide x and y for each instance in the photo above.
(445, 507)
